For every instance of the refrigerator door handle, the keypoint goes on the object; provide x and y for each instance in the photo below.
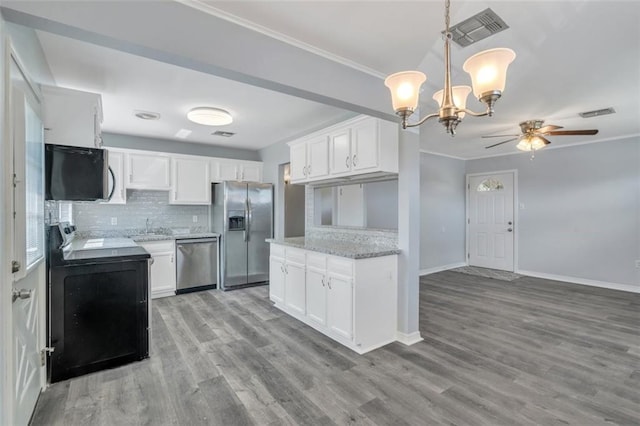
(248, 219)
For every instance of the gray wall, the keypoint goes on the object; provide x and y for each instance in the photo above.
(95, 218)
(380, 199)
(581, 215)
(442, 198)
(164, 145)
(272, 157)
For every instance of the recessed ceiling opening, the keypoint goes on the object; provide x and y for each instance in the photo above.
(223, 134)
(478, 27)
(597, 112)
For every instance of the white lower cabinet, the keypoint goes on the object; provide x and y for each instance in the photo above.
(276, 279)
(340, 305)
(162, 272)
(316, 295)
(353, 301)
(294, 294)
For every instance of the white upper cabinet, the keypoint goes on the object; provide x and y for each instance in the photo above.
(116, 164)
(340, 152)
(190, 181)
(226, 170)
(237, 170)
(72, 117)
(298, 159)
(148, 171)
(250, 171)
(310, 159)
(364, 146)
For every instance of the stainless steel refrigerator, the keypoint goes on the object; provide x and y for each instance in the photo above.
(242, 213)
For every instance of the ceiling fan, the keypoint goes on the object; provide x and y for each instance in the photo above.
(533, 135)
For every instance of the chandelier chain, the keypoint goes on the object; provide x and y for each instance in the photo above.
(447, 5)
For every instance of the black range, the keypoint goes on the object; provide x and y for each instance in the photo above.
(98, 313)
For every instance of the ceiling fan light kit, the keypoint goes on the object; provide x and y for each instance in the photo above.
(533, 135)
(488, 70)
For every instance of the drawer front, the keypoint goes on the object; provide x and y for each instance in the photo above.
(277, 250)
(316, 260)
(295, 255)
(340, 266)
(157, 246)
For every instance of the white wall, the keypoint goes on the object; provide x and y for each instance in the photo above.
(581, 215)
(442, 212)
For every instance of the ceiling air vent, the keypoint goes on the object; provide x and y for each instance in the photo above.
(223, 134)
(597, 112)
(478, 27)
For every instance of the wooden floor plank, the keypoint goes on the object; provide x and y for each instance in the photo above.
(525, 352)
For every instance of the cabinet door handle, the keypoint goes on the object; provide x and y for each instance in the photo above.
(308, 169)
(282, 268)
(171, 258)
(323, 281)
(353, 160)
(329, 283)
(346, 162)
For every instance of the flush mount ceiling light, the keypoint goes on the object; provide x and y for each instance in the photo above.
(488, 70)
(210, 116)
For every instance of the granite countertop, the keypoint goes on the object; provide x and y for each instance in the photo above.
(143, 238)
(340, 248)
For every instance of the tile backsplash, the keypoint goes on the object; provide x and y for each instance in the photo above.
(97, 218)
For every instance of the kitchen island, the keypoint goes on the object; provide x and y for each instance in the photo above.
(344, 289)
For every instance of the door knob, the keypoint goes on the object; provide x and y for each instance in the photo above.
(510, 229)
(509, 223)
(20, 294)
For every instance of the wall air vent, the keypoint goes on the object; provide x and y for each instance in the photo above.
(223, 134)
(478, 27)
(597, 112)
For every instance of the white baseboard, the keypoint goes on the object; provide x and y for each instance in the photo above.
(409, 339)
(442, 268)
(583, 281)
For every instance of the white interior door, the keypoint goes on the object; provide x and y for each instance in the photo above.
(27, 247)
(490, 226)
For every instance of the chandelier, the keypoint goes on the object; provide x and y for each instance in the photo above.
(488, 71)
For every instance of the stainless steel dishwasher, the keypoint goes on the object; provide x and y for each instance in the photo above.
(196, 264)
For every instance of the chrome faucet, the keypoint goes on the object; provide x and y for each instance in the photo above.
(146, 226)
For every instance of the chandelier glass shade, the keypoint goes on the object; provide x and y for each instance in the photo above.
(488, 71)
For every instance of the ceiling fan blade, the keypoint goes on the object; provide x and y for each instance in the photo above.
(548, 128)
(498, 136)
(500, 143)
(573, 132)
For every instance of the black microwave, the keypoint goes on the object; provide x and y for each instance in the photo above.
(76, 174)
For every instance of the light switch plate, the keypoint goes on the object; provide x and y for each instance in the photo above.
(114, 220)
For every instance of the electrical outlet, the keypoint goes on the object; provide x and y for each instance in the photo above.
(114, 220)
(195, 219)
(638, 264)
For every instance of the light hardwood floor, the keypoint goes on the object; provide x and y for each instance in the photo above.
(525, 352)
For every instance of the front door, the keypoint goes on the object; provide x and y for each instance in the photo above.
(27, 247)
(490, 226)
